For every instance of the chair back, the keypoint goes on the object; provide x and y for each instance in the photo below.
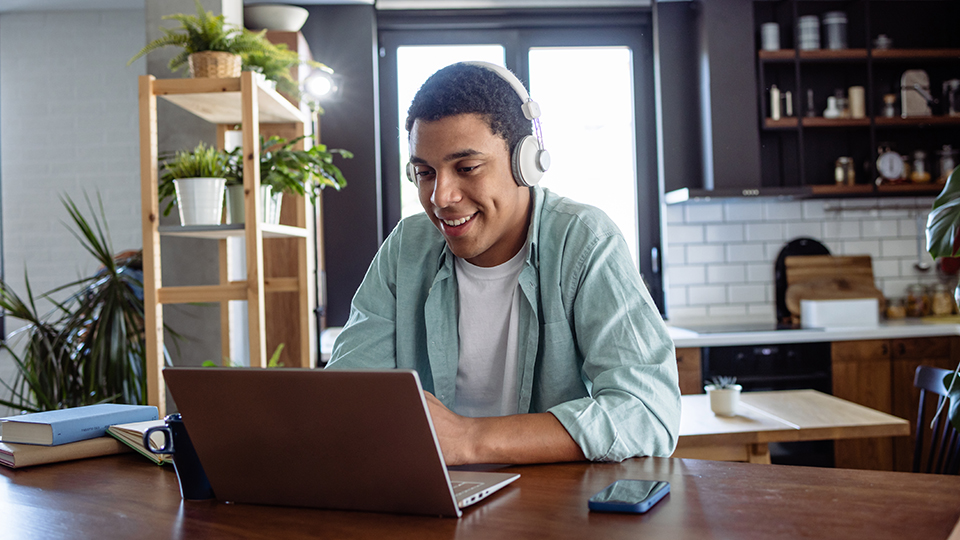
(936, 443)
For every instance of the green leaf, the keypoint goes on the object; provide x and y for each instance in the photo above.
(952, 382)
(943, 222)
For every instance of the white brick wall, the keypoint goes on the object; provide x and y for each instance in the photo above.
(720, 254)
(68, 124)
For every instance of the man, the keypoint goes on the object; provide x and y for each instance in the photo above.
(532, 332)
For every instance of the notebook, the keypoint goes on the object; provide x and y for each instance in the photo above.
(348, 440)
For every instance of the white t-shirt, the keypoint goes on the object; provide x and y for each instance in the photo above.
(489, 324)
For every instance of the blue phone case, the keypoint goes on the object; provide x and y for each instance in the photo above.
(596, 503)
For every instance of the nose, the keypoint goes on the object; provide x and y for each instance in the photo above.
(446, 190)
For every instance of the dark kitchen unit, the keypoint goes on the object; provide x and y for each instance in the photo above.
(793, 366)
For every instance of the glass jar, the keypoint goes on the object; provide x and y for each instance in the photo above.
(941, 301)
(843, 172)
(889, 105)
(916, 301)
(896, 309)
(918, 170)
(948, 162)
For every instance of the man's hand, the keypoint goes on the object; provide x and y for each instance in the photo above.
(519, 438)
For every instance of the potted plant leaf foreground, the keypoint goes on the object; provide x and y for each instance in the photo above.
(943, 241)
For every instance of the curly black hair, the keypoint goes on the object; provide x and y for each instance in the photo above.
(469, 89)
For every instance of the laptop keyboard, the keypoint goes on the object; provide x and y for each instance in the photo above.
(462, 488)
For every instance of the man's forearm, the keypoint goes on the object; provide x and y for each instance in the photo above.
(523, 438)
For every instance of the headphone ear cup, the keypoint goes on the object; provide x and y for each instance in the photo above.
(411, 172)
(529, 162)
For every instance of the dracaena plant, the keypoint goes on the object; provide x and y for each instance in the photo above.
(88, 348)
(943, 240)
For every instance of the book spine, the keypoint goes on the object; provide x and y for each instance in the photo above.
(79, 429)
(26, 455)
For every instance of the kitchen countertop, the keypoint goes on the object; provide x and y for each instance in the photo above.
(905, 328)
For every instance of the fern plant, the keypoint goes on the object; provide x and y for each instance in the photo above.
(204, 32)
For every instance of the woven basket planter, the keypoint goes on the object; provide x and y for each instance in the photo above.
(214, 64)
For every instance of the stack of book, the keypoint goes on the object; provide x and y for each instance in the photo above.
(66, 434)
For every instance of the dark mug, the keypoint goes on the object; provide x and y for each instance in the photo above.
(193, 480)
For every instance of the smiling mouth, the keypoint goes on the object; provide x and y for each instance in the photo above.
(457, 222)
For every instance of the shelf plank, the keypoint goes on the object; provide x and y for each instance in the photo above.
(835, 190)
(218, 101)
(219, 232)
(819, 121)
(917, 121)
(783, 123)
(931, 188)
(916, 54)
(828, 55)
(235, 290)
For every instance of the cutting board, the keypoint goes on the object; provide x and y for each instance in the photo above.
(828, 277)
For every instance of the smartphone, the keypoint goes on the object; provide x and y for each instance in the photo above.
(632, 496)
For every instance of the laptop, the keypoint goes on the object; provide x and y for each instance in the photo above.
(347, 440)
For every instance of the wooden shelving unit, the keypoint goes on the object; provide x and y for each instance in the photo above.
(800, 151)
(248, 102)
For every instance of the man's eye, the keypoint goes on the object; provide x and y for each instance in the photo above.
(467, 169)
(424, 173)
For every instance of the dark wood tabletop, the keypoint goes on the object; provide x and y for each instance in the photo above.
(127, 497)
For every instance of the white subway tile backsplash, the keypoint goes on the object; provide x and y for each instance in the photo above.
(705, 253)
(700, 295)
(703, 212)
(674, 214)
(746, 252)
(798, 229)
(901, 247)
(685, 234)
(676, 255)
(878, 228)
(726, 273)
(724, 233)
(747, 293)
(886, 268)
(763, 231)
(782, 210)
(755, 230)
(743, 210)
(687, 275)
(686, 313)
(813, 210)
(833, 230)
(862, 247)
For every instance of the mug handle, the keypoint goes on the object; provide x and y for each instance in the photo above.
(167, 447)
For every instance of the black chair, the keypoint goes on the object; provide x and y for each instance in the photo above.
(940, 438)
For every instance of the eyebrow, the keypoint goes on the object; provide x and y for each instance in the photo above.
(449, 157)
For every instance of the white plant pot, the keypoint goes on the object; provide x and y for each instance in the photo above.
(270, 204)
(199, 200)
(724, 401)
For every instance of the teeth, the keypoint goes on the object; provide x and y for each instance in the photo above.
(457, 222)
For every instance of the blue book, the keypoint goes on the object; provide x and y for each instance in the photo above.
(69, 425)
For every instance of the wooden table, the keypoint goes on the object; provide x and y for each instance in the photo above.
(128, 497)
(778, 416)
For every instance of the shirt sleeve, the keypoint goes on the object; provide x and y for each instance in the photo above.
(629, 362)
(368, 339)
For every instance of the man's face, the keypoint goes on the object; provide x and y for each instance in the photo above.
(467, 188)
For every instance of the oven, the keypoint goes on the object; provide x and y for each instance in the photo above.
(792, 366)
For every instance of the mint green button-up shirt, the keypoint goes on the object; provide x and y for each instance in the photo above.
(593, 349)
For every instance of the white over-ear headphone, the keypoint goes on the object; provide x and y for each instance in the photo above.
(529, 159)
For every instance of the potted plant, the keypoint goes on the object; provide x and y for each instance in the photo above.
(89, 348)
(943, 242)
(284, 169)
(275, 62)
(196, 179)
(724, 395)
(211, 48)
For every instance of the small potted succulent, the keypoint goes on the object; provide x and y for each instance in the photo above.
(724, 395)
(211, 48)
(194, 181)
(284, 169)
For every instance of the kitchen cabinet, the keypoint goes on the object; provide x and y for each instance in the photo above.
(246, 101)
(688, 367)
(879, 374)
(801, 150)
